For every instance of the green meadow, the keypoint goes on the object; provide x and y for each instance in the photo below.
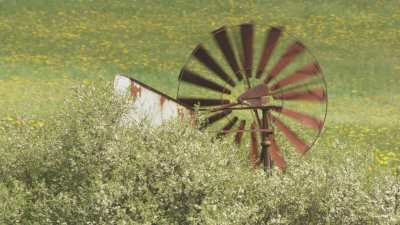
(49, 46)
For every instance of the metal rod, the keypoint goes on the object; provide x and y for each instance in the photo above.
(265, 156)
(240, 108)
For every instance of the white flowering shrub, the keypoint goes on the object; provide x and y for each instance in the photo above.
(81, 167)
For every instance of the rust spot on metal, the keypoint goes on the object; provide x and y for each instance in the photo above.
(181, 114)
(162, 101)
(135, 90)
(192, 118)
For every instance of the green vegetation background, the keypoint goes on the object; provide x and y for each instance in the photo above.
(48, 46)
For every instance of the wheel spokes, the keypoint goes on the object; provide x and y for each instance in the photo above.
(214, 118)
(247, 36)
(195, 79)
(304, 73)
(269, 46)
(299, 144)
(276, 155)
(224, 44)
(291, 53)
(205, 58)
(227, 127)
(315, 95)
(302, 118)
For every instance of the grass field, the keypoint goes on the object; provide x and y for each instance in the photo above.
(48, 46)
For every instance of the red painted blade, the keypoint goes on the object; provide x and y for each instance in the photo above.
(202, 101)
(247, 35)
(205, 58)
(291, 53)
(214, 118)
(255, 92)
(254, 146)
(221, 37)
(276, 154)
(299, 144)
(227, 127)
(239, 134)
(304, 73)
(315, 95)
(269, 46)
(302, 118)
(195, 79)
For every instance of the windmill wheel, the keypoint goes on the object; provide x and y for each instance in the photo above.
(263, 87)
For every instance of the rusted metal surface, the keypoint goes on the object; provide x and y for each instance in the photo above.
(293, 138)
(291, 53)
(149, 104)
(269, 46)
(254, 146)
(205, 58)
(315, 95)
(234, 104)
(304, 73)
(195, 79)
(224, 44)
(247, 36)
(230, 105)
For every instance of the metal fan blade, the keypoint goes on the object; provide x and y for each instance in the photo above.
(255, 92)
(247, 35)
(205, 58)
(214, 118)
(305, 119)
(227, 127)
(195, 79)
(315, 95)
(276, 155)
(269, 46)
(304, 73)
(239, 134)
(202, 101)
(221, 37)
(291, 53)
(254, 146)
(299, 144)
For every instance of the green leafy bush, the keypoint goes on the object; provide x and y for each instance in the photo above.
(82, 167)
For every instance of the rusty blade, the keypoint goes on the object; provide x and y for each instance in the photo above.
(227, 127)
(291, 53)
(254, 146)
(239, 134)
(214, 118)
(299, 144)
(202, 101)
(304, 73)
(195, 79)
(270, 43)
(302, 118)
(207, 60)
(255, 92)
(222, 39)
(315, 95)
(247, 35)
(276, 154)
